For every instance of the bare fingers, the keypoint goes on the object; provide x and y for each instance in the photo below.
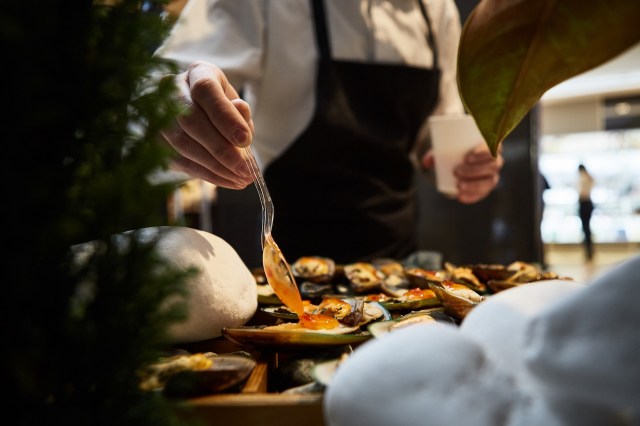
(211, 90)
(209, 136)
(478, 175)
(194, 159)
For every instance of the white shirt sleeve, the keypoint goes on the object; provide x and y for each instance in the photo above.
(227, 33)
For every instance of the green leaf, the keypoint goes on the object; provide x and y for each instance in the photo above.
(512, 51)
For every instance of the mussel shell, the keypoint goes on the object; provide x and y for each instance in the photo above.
(497, 286)
(527, 273)
(284, 337)
(379, 329)
(375, 311)
(324, 372)
(487, 272)
(465, 275)
(420, 278)
(394, 281)
(394, 305)
(388, 266)
(281, 312)
(226, 372)
(371, 311)
(395, 285)
(457, 301)
(363, 276)
(315, 269)
(315, 291)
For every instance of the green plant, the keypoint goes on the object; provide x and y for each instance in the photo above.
(512, 51)
(80, 141)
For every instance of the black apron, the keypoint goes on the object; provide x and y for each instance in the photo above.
(345, 188)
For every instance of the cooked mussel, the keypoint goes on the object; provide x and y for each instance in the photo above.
(394, 281)
(412, 299)
(520, 273)
(457, 299)
(464, 275)
(490, 271)
(350, 311)
(363, 277)
(420, 278)
(315, 269)
(190, 375)
(432, 315)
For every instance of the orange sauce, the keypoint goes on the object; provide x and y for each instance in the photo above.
(419, 294)
(318, 321)
(335, 304)
(380, 297)
(280, 277)
(454, 285)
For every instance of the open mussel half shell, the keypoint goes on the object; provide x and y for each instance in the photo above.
(315, 291)
(487, 272)
(324, 371)
(315, 269)
(388, 266)
(456, 298)
(394, 282)
(360, 312)
(413, 293)
(413, 299)
(191, 375)
(349, 311)
(515, 274)
(421, 278)
(363, 276)
(426, 316)
(292, 335)
(527, 273)
(465, 275)
(496, 286)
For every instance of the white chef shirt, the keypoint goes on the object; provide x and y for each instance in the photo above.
(267, 49)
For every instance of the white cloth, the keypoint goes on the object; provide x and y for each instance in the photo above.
(267, 49)
(553, 353)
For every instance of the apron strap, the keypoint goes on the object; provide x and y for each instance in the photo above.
(320, 23)
(430, 37)
(322, 35)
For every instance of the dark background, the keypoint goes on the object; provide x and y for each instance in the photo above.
(503, 228)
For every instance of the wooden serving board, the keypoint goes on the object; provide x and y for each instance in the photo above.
(253, 405)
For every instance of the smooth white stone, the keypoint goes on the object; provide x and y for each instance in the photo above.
(223, 294)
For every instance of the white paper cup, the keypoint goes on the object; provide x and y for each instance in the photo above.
(452, 136)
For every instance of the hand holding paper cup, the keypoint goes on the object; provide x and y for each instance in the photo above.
(452, 136)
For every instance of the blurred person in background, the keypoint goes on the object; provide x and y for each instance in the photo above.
(339, 92)
(585, 207)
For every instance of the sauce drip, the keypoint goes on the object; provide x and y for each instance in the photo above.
(280, 277)
(318, 321)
